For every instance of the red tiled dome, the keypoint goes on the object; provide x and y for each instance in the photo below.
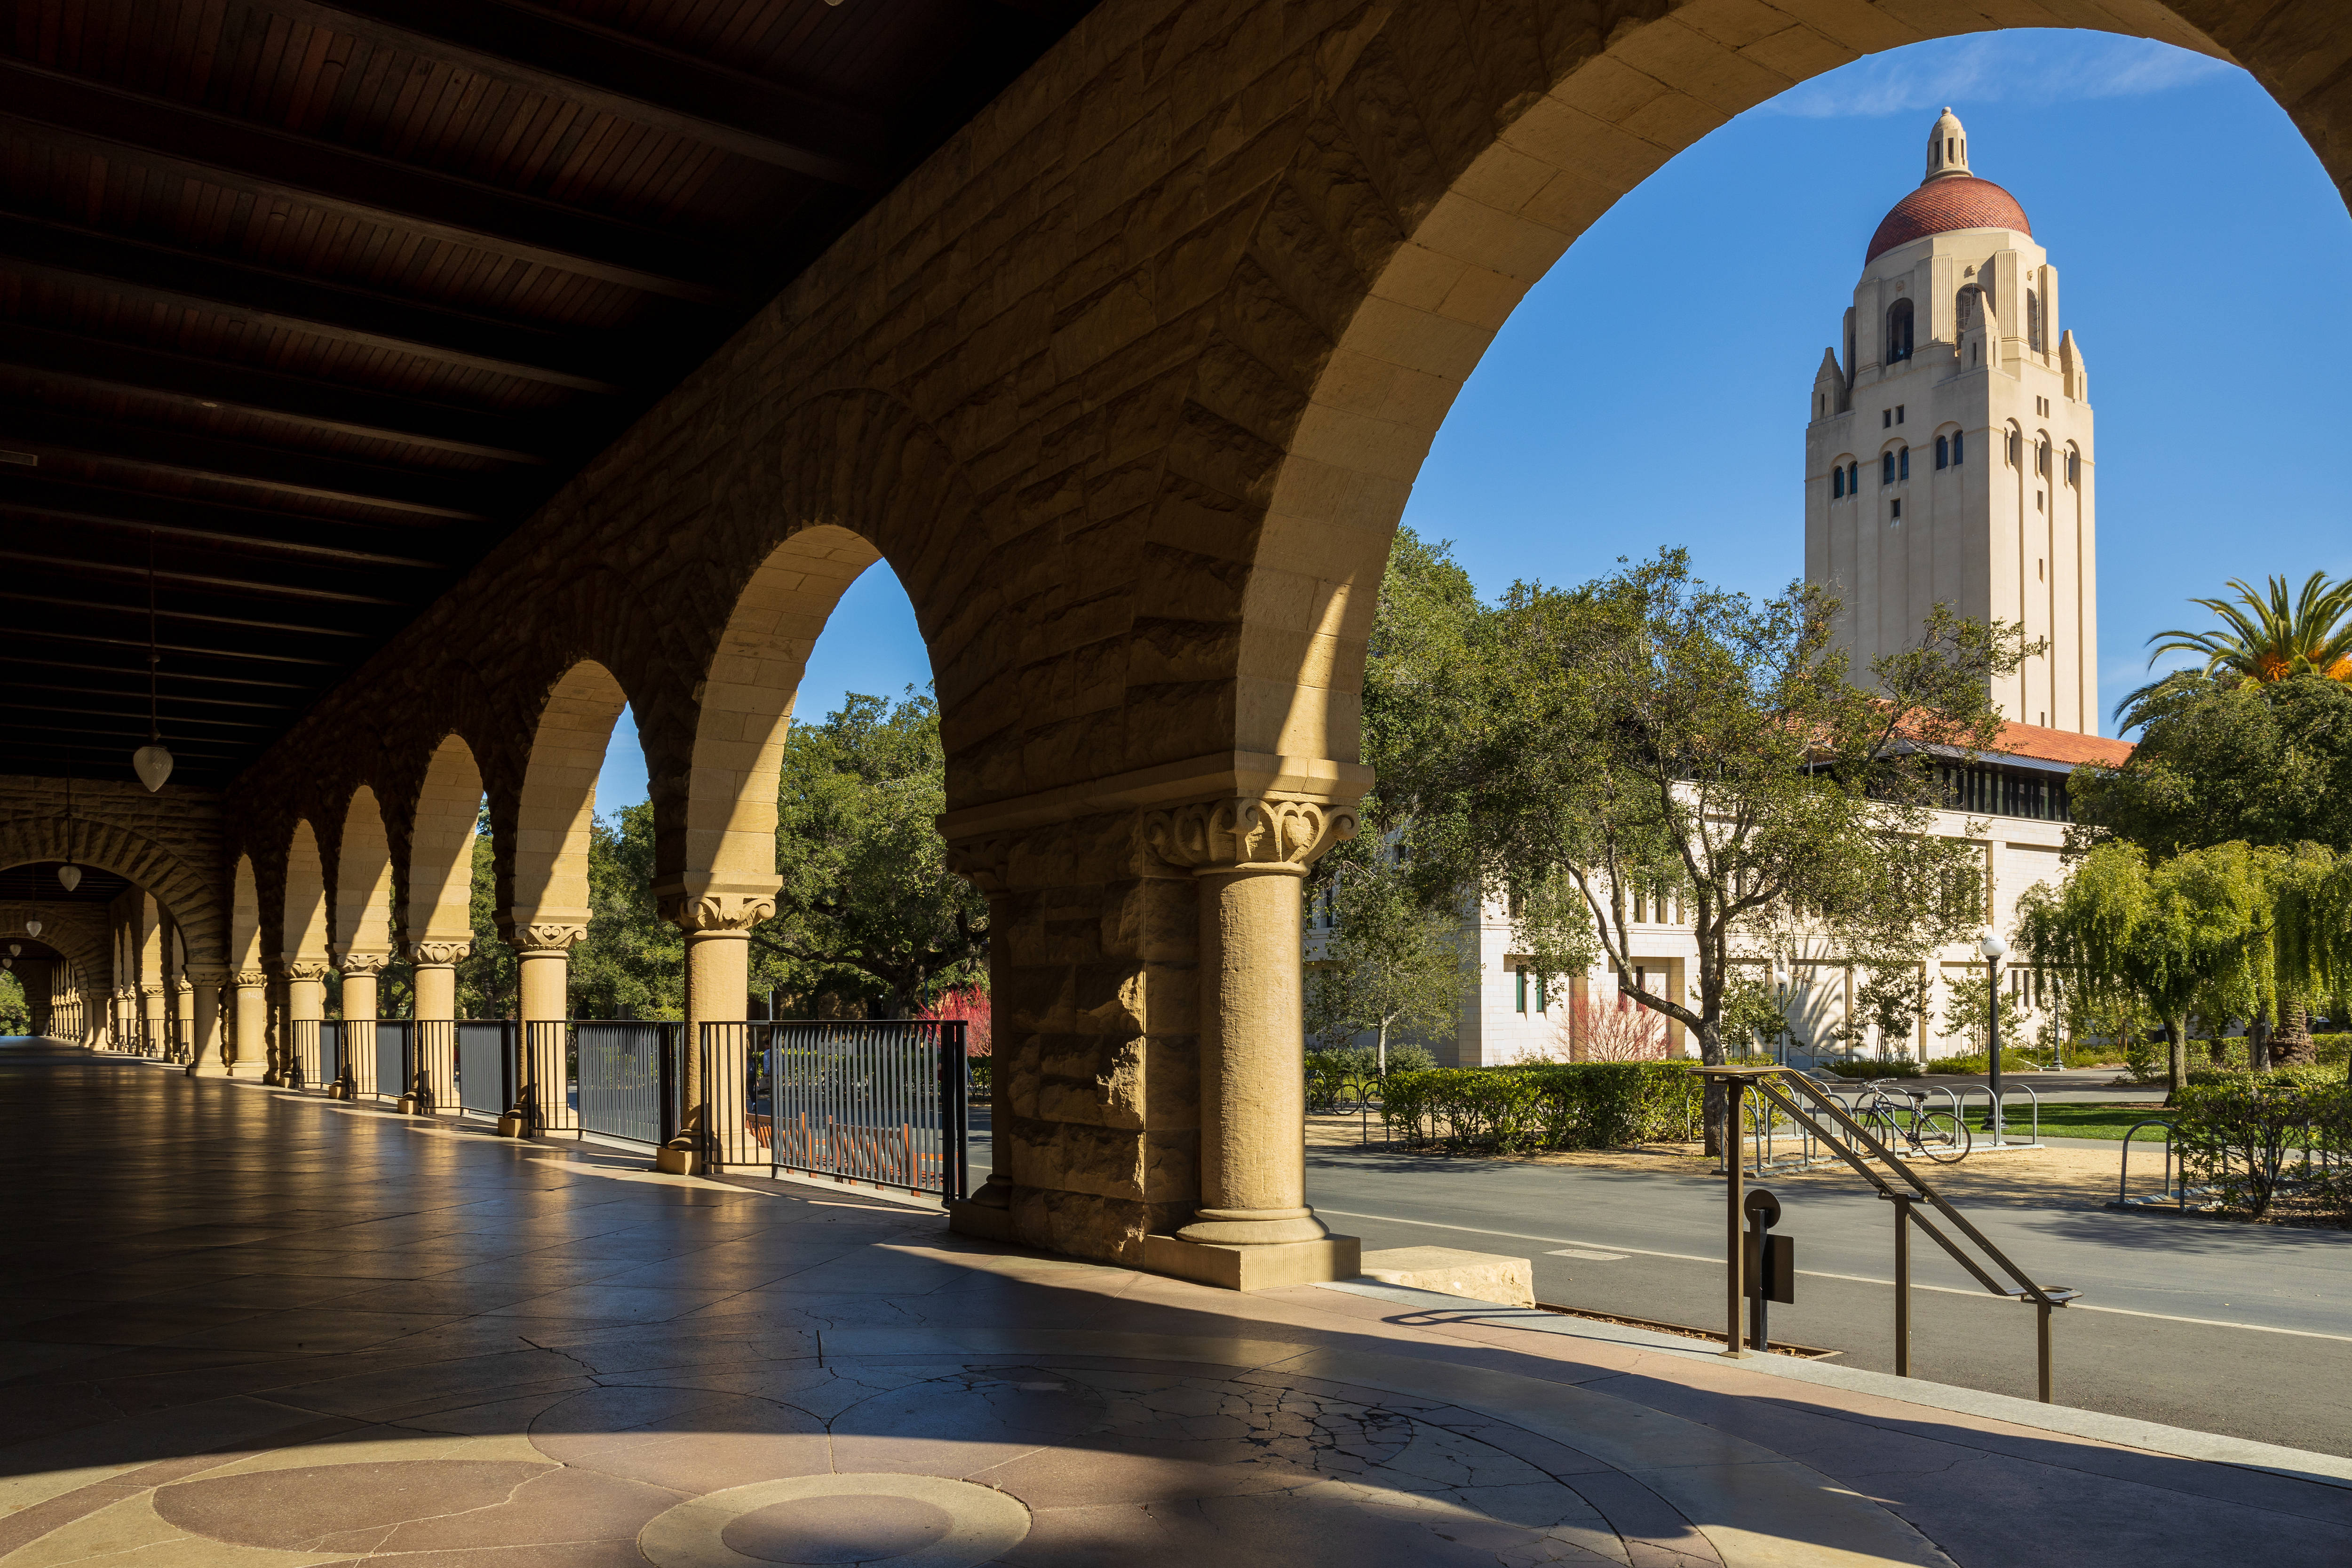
(1940, 206)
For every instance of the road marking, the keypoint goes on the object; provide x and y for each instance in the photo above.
(1823, 1274)
(1590, 1256)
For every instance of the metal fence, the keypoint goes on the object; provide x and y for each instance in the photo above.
(486, 1075)
(305, 1066)
(884, 1102)
(626, 1075)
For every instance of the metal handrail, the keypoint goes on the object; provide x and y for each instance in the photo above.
(2044, 1299)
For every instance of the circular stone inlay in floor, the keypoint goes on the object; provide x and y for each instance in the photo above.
(837, 1529)
(912, 1521)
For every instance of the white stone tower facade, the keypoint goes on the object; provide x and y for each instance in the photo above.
(1948, 454)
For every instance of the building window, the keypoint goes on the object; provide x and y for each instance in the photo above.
(1958, 436)
(1943, 451)
(1902, 464)
(1886, 419)
(2073, 467)
(1898, 331)
(1886, 467)
(1895, 512)
(1898, 414)
(1521, 973)
(2033, 319)
(1837, 482)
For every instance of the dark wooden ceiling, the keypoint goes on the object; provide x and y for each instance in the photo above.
(315, 302)
(36, 883)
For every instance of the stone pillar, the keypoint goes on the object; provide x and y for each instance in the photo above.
(249, 1043)
(204, 1042)
(718, 927)
(273, 1021)
(153, 1017)
(435, 968)
(543, 988)
(1248, 858)
(183, 1013)
(361, 973)
(306, 1006)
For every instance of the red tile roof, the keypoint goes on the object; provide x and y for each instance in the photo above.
(2059, 745)
(1942, 206)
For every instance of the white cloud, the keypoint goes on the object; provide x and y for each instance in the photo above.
(2037, 66)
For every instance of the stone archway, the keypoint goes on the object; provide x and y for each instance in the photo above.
(185, 892)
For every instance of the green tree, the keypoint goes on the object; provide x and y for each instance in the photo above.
(869, 914)
(1389, 962)
(632, 963)
(1648, 731)
(1893, 1001)
(16, 1012)
(2263, 639)
(1969, 1012)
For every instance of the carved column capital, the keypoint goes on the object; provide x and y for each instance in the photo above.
(985, 862)
(252, 977)
(438, 954)
(364, 963)
(207, 974)
(705, 914)
(1277, 833)
(543, 939)
(306, 968)
(151, 988)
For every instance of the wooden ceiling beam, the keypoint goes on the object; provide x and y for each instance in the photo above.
(24, 494)
(571, 59)
(275, 165)
(103, 365)
(45, 432)
(154, 274)
(85, 566)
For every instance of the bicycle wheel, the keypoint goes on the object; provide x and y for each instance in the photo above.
(1942, 1136)
(1879, 1122)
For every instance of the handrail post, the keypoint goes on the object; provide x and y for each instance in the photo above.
(2041, 1347)
(1735, 1241)
(1902, 1284)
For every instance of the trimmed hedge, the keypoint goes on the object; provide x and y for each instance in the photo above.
(2248, 1139)
(1522, 1110)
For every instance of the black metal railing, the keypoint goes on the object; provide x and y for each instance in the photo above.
(485, 1066)
(626, 1078)
(884, 1102)
(305, 1065)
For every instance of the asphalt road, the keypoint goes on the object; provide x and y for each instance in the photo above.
(2198, 1323)
(2206, 1324)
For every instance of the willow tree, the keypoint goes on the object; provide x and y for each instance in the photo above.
(1646, 735)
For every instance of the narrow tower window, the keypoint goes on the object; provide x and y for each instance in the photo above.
(1958, 436)
(1854, 478)
(1887, 468)
(1943, 451)
(1837, 482)
(1898, 331)
(1902, 464)
(2033, 319)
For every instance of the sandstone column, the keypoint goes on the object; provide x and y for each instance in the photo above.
(435, 1085)
(153, 1017)
(249, 1046)
(273, 1021)
(360, 971)
(306, 1007)
(718, 926)
(544, 986)
(1248, 858)
(204, 1022)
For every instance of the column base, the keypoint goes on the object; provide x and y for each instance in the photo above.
(211, 1069)
(670, 1161)
(1266, 1266)
(982, 1221)
(514, 1124)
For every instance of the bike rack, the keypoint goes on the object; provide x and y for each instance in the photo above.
(1997, 1110)
(2172, 1192)
(1914, 1192)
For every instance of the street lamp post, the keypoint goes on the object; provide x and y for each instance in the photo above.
(1994, 949)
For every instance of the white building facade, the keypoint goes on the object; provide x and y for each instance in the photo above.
(1947, 459)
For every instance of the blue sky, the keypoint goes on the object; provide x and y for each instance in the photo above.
(1651, 389)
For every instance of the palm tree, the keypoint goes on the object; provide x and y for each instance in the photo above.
(2264, 640)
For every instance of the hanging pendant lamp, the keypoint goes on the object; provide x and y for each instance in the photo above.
(150, 762)
(69, 874)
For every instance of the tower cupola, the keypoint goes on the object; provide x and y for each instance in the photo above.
(1948, 148)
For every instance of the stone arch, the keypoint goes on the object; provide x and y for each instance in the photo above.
(243, 954)
(188, 895)
(438, 906)
(747, 702)
(1437, 178)
(305, 931)
(363, 911)
(557, 802)
(78, 939)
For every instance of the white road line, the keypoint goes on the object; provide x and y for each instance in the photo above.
(1823, 1274)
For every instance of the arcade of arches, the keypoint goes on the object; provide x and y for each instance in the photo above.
(1127, 383)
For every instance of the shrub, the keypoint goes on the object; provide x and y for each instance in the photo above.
(1351, 1075)
(1868, 1067)
(2246, 1138)
(2336, 1049)
(1518, 1109)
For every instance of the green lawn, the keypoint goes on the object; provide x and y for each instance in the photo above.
(2074, 1119)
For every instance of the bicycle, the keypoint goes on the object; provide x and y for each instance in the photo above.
(1895, 1116)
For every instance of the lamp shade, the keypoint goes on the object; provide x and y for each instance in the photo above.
(70, 876)
(32, 928)
(152, 763)
(15, 948)
(1993, 946)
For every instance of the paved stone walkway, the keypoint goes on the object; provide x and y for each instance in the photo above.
(247, 1328)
